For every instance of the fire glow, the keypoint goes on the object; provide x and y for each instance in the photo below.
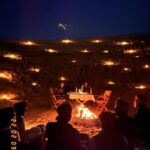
(28, 43)
(122, 43)
(32, 69)
(67, 41)
(7, 96)
(51, 50)
(85, 51)
(12, 56)
(97, 41)
(6, 75)
(85, 113)
(109, 63)
(131, 51)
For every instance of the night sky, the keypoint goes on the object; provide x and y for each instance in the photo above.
(40, 19)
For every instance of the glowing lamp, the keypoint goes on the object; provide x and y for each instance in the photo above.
(146, 66)
(62, 78)
(105, 51)
(122, 43)
(12, 56)
(28, 43)
(67, 41)
(6, 75)
(111, 83)
(34, 83)
(109, 63)
(73, 61)
(51, 50)
(32, 69)
(140, 87)
(96, 41)
(85, 51)
(130, 51)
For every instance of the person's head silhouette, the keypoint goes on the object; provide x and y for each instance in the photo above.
(64, 113)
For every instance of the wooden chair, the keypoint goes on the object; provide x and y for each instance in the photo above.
(101, 104)
(55, 101)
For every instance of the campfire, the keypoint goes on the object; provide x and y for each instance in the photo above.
(84, 117)
(85, 113)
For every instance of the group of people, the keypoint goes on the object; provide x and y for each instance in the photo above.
(119, 131)
(63, 89)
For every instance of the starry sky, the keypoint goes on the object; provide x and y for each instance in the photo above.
(39, 19)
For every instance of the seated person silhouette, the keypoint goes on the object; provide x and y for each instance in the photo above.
(33, 136)
(142, 118)
(6, 114)
(61, 91)
(61, 135)
(108, 138)
(86, 88)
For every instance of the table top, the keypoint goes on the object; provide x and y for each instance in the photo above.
(81, 96)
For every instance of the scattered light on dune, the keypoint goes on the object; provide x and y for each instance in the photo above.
(73, 61)
(141, 86)
(29, 43)
(85, 51)
(67, 41)
(7, 96)
(105, 51)
(122, 43)
(97, 41)
(126, 69)
(131, 51)
(62, 78)
(51, 50)
(6, 75)
(32, 69)
(109, 63)
(137, 56)
(12, 56)
(146, 66)
(34, 83)
(111, 83)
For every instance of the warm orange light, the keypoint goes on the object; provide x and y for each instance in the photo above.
(109, 63)
(67, 41)
(146, 66)
(105, 51)
(111, 82)
(6, 75)
(85, 113)
(32, 69)
(122, 43)
(7, 96)
(34, 83)
(73, 61)
(126, 69)
(140, 87)
(85, 51)
(29, 43)
(51, 50)
(97, 41)
(62, 78)
(12, 56)
(130, 51)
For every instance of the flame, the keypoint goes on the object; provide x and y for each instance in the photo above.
(85, 51)
(130, 51)
(85, 113)
(12, 56)
(51, 50)
(105, 51)
(122, 43)
(7, 96)
(67, 41)
(109, 63)
(32, 69)
(97, 41)
(6, 75)
(141, 87)
(29, 43)
(62, 78)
